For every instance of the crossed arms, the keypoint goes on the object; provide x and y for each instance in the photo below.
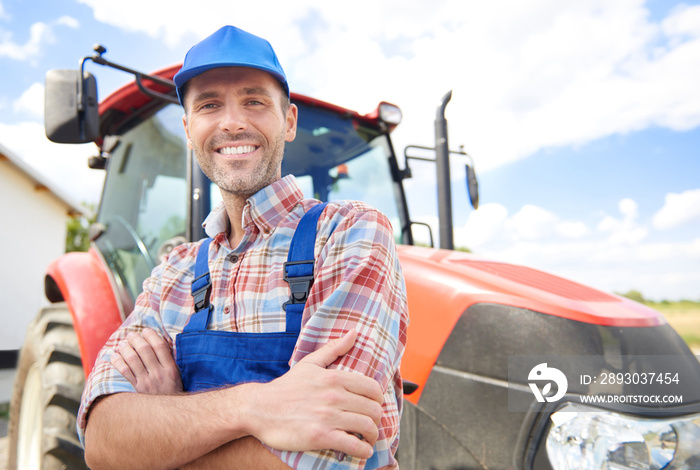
(310, 407)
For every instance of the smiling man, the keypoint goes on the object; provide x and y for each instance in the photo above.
(260, 381)
(237, 125)
(237, 121)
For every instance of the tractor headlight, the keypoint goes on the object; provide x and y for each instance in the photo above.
(583, 437)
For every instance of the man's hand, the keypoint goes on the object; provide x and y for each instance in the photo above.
(312, 407)
(146, 361)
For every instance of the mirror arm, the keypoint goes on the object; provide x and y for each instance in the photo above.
(80, 103)
(98, 59)
(154, 94)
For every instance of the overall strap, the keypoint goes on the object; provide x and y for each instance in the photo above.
(299, 268)
(201, 290)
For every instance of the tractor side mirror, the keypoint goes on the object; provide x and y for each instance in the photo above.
(71, 107)
(472, 187)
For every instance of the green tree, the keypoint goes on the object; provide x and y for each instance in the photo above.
(77, 231)
(634, 295)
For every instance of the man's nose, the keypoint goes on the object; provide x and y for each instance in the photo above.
(233, 120)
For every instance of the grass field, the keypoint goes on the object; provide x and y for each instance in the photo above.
(684, 317)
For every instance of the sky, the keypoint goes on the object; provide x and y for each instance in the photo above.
(582, 118)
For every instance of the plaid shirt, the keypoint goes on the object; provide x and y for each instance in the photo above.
(358, 284)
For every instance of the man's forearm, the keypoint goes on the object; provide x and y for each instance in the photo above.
(130, 430)
(242, 454)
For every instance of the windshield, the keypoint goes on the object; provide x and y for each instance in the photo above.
(144, 202)
(334, 157)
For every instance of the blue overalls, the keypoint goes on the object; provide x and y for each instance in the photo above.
(210, 359)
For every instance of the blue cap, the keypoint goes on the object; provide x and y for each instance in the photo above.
(229, 47)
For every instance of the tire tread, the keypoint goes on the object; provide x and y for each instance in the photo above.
(52, 344)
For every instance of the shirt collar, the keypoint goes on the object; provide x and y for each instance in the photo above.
(264, 209)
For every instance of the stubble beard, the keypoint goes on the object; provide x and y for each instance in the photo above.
(232, 176)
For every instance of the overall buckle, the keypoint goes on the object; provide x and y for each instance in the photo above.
(201, 294)
(298, 285)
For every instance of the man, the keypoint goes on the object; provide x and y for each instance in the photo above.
(339, 404)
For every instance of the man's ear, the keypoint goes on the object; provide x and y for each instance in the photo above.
(187, 131)
(292, 114)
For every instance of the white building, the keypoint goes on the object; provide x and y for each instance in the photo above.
(33, 216)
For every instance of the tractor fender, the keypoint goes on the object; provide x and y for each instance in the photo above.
(81, 281)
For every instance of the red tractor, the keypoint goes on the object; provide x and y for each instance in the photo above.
(488, 344)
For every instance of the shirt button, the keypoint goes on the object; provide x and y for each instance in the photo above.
(227, 310)
(233, 258)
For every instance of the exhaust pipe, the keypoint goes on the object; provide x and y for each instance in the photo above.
(444, 183)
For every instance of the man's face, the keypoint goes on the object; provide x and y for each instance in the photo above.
(236, 127)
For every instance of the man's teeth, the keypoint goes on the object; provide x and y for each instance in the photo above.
(237, 150)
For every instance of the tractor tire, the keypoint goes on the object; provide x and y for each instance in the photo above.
(46, 395)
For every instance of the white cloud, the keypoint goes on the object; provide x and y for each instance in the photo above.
(492, 226)
(628, 208)
(31, 102)
(484, 225)
(684, 20)
(544, 73)
(572, 229)
(180, 21)
(39, 34)
(625, 230)
(619, 256)
(659, 270)
(679, 209)
(68, 21)
(533, 223)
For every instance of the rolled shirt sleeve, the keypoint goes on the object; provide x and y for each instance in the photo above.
(358, 285)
